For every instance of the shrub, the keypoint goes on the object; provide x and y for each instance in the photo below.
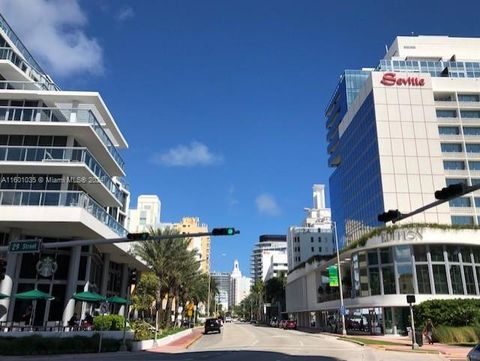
(447, 334)
(456, 312)
(142, 330)
(109, 322)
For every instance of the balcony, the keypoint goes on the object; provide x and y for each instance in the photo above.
(26, 85)
(60, 161)
(448, 120)
(446, 103)
(32, 115)
(53, 199)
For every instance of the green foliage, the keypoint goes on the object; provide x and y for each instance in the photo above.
(142, 330)
(455, 335)
(456, 312)
(109, 322)
(38, 345)
(146, 292)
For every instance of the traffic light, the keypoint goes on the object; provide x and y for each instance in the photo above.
(3, 269)
(224, 231)
(138, 236)
(391, 216)
(452, 191)
(132, 279)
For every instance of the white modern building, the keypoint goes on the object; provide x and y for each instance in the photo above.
(146, 216)
(222, 281)
(262, 253)
(397, 133)
(239, 285)
(315, 236)
(61, 178)
(278, 266)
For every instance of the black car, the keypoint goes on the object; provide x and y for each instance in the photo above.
(212, 324)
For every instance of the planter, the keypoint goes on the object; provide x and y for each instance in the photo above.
(148, 344)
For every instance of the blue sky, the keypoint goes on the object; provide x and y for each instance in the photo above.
(222, 101)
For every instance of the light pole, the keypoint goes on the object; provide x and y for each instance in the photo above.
(208, 300)
(342, 307)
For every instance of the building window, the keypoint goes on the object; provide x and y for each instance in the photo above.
(423, 279)
(468, 98)
(451, 181)
(469, 280)
(420, 253)
(319, 249)
(473, 148)
(311, 239)
(470, 113)
(319, 239)
(451, 147)
(468, 220)
(446, 113)
(440, 279)
(374, 280)
(405, 278)
(388, 280)
(454, 164)
(463, 202)
(436, 254)
(471, 130)
(313, 249)
(456, 279)
(372, 258)
(449, 130)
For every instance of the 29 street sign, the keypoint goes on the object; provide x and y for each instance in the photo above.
(31, 246)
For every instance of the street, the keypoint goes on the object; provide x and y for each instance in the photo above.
(245, 342)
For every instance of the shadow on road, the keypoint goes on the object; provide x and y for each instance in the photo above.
(233, 356)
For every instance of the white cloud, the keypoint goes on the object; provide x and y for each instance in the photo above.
(187, 156)
(125, 13)
(266, 204)
(54, 32)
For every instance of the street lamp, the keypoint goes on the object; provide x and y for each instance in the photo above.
(342, 307)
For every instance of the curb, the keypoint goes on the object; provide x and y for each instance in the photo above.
(195, 339)
(350, 340)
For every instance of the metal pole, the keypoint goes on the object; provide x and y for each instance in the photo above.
(123, 346)
(342, 310)
(208, 300)
(414, 338)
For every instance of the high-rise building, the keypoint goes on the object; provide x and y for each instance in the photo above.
(314, 236)
(397, 133)
(146, 216)
(262, 253)
(239, 285)
(61, 179)
(222, 281)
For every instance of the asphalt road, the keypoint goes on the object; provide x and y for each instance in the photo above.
(244, 342)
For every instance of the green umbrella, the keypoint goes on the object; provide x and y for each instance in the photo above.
(88, 297)
(34, 295)
(2, 296)
(118, 300)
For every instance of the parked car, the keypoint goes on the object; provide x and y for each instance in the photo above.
(474, 354)
(281, 324)
(212, 324)
(274, 323)
(290, 325)
(228, 319)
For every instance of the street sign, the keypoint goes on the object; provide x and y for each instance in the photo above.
(30, 246)
(343, 310)
(410, 298)
(103, 308)
(333, 276)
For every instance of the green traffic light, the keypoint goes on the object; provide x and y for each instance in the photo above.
(230, 231)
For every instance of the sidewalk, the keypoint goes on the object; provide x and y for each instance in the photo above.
(181, 344)
(404, 343)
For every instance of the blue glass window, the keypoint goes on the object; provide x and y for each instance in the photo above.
(451, 181)
(464, 202)
(473, 148)
(471, 130)
(477, 202)
(470, 113)
(465, 220)
(468, 98)
(474, 165)
(444, 113)
(475, 181)
(449, 130)
(451, 147)
(453, 164)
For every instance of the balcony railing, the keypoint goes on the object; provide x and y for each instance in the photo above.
(61, 115)
(60, 199)
(60, 155)
(26, 85)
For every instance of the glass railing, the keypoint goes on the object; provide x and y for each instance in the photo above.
(60, 199)
(26, 85)
(66, 115)
(8, 54)
(61, 155)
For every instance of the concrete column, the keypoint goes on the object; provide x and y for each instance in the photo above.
(123, 287)
(105, 273)
(6, 285)
(71, 284)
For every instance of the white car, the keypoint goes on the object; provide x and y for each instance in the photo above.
(228, 319)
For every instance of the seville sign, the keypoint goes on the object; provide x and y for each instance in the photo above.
(390, 79)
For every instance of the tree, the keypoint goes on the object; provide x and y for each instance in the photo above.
(145, 292)
(258, 292)
(275, 293)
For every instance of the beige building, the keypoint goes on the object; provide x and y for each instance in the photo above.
(146, 215)
(201, 244)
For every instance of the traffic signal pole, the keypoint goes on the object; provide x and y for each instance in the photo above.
(129, 238)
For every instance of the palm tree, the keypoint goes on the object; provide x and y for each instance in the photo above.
(258, 291)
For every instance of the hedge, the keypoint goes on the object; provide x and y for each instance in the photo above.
(109, 322)
(456, 312)
(38, 345)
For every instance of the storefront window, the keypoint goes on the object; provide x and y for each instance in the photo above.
(456, 278)
(402, 254)
(440, 279)
(374, 281)
(423, 279)
(469, 280)
(436, 253)
(420, 253)
(405, 278)
(386, 255)
(372, 258)
(388, 280)
(453, 252)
